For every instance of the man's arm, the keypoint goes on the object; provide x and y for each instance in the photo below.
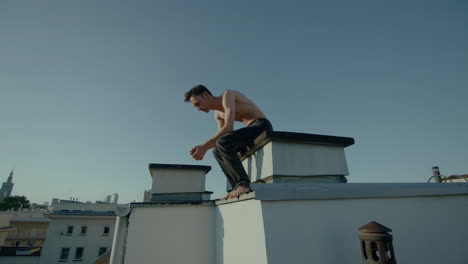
(224, 125)
(227, 124)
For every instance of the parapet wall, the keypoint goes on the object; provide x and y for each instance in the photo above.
(302, 226)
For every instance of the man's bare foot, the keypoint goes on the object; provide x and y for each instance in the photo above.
(238, 192)
(225, 197)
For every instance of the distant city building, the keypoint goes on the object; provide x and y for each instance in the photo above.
(147, 196)
(108, 199)
(72, 200)
(7, 187)
(54, 202)
(114, 198)
(29, 229)
(22, 234)
(4, 230)
(79, 232)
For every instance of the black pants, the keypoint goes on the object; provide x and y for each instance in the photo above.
(228, 145)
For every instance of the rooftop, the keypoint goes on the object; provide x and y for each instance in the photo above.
(179, 166)
(82, 213)
(322, 191)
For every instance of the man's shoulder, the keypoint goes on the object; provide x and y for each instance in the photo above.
(231, 92)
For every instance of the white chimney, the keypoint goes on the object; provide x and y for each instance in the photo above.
(178, 183)
(286, 157)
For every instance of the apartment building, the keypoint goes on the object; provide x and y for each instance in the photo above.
(79, 232)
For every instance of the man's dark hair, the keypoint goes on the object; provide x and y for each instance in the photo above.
(196, 90)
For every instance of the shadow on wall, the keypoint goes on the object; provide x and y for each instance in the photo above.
(258, 157)
(219, 238)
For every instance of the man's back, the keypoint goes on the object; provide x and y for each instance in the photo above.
(246, 110)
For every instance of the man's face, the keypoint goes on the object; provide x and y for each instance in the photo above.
(199, 102)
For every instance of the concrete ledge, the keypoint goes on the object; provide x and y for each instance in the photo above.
(291, 191)
(206, 169)
(304, 179)
(166, 204)
(247, 196)
(293, 137)
(186, 196)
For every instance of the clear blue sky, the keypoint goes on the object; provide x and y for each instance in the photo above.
(91, 92)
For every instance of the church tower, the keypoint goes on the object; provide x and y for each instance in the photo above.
(7, 187)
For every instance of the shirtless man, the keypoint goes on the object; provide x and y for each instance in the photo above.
(230, 106)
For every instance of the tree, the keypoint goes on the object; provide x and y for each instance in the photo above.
(14, 203)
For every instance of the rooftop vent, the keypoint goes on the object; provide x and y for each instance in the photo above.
(179, 183)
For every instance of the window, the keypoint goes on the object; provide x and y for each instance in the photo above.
(15, 243)
(69, 231)
(64, 254)
(30, 243)
(83, 230)
(102, 250)
(106, 231)
(79, 253)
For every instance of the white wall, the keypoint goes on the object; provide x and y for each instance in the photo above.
(308, 159)
(171, 234)
(178, 180)
(425, 229)
(295, 159)
(240, 233)
(91, 243)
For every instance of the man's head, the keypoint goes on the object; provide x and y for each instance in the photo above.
(199, 96)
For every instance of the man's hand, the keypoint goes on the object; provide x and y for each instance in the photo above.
(198, 152)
